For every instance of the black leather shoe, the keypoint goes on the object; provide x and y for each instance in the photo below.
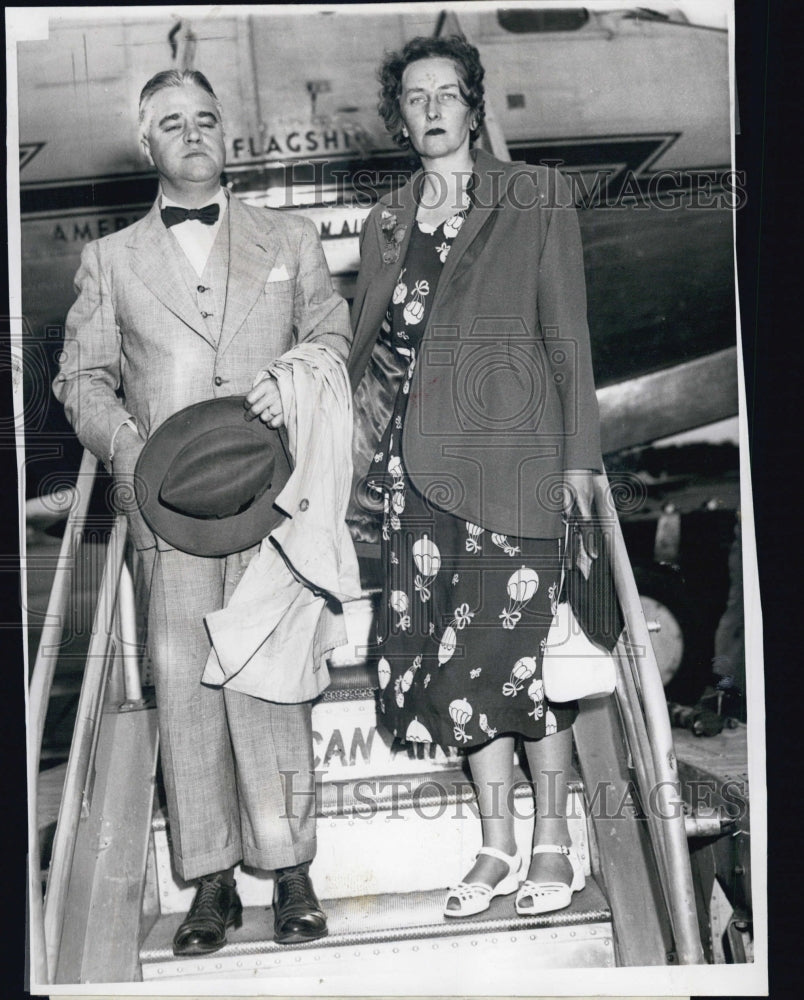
(216, 906)
(297, 913)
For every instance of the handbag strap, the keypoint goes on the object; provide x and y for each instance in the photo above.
(564, 550)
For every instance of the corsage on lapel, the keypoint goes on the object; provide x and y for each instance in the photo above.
(393, 234)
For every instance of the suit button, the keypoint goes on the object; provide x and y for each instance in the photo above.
(304, 504)
(218, 380)
(201, 288)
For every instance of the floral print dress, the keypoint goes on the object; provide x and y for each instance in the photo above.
(465, 611)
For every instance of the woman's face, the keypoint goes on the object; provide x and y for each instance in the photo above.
(436, 116)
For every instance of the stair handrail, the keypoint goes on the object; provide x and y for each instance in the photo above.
(651, 708)
(39, 689)
(90, 707)
(114, 619)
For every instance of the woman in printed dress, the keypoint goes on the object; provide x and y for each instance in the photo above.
(485, 440)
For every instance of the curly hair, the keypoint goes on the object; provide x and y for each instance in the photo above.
(470, 72)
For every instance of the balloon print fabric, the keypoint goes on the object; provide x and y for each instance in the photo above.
(465, 611)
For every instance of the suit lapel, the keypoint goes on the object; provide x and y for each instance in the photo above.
(493, 177)
(378, 294)
(155, 263)
(252, 252)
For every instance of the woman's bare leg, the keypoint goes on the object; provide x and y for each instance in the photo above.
(550, 761)
(492, 768)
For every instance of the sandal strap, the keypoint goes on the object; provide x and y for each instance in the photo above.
(552, 849)
(510, 859)
(531, 888)
(464, 889)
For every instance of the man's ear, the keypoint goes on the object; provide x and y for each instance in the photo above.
(145, 146)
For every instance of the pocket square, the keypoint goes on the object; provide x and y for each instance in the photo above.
(278, 274)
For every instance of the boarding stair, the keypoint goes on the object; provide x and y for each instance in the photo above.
(396, 827)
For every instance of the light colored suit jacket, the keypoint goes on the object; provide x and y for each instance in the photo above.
(137, 346)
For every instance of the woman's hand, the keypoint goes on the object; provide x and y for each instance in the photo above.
(265, 402)
(579, 487)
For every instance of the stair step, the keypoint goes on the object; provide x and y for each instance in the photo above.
(387, 835)
(389, 934)
(350, 743)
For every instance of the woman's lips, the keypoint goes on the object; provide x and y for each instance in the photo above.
(435, 131)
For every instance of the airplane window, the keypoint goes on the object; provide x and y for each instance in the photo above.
(523, 21)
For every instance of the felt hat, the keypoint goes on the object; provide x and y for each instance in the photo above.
(207, 478)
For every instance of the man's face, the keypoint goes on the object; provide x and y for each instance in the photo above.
(184, 140)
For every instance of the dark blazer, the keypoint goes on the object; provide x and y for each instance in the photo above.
(503, 398)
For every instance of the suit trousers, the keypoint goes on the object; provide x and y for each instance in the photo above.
(238, 771)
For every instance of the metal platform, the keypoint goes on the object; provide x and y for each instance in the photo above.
(387, 932)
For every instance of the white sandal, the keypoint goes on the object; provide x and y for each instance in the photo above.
(475, 897)
(544, 897)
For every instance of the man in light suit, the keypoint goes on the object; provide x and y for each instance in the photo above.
(191, 303)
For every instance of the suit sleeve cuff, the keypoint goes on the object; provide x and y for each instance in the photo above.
(128, 422)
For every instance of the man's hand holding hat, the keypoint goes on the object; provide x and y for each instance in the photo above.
(208, 477)
(265, 402)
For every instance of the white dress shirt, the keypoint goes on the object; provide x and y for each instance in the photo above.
(193, 236)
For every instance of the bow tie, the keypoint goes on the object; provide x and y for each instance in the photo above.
(172, 215)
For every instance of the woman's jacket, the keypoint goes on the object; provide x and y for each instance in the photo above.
(502, 399)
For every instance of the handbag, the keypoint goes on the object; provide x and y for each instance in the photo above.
(574, 666)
